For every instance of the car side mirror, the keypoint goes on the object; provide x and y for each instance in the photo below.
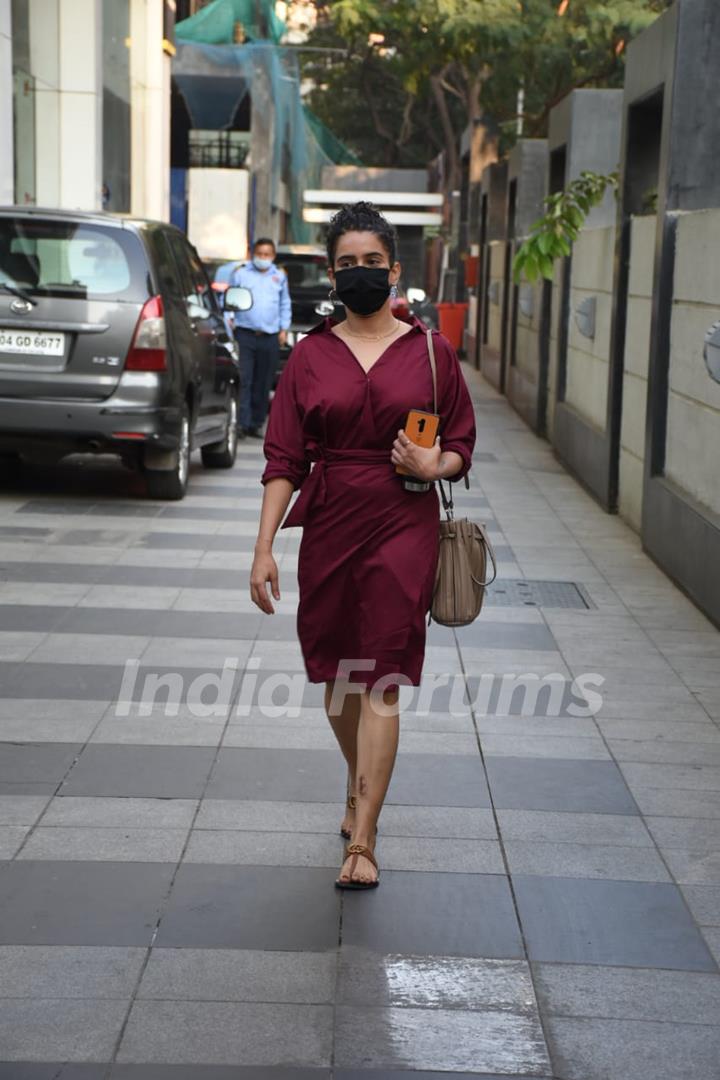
(238, 298)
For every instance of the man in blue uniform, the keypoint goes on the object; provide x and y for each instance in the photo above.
(260, 332)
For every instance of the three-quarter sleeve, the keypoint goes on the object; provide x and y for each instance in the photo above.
(284, 443)
(457, 417)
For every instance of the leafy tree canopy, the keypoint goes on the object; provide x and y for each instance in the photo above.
(405, 78)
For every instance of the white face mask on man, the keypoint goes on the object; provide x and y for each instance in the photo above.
(261, 264)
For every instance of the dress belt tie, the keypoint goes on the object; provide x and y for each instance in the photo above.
(314, 487)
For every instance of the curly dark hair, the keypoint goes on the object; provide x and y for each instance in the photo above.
(360, 217)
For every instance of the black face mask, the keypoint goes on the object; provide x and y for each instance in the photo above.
(363, 289)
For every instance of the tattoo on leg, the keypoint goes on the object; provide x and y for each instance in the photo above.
(362, 785)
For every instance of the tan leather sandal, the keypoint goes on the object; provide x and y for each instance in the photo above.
(356, 850)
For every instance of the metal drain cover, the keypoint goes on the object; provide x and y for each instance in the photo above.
(550, 594)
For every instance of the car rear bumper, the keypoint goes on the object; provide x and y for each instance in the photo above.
(114, 424)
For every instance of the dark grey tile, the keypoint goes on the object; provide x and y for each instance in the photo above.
(92, 682)
(15, 617)
(115, 508)
(194, 541)
(48, 1070)
(251, 907)
(319, 776)
(438, 780)
(161, 772)
(81, 903)
(278, 775)
(72, 573)
(159, 623)
(625, 923)
(27, 787)
(19, 532)
(486, 634)
(36, 762)
(434, 914)
(277, 627)
(217, 1072)
(559, 784)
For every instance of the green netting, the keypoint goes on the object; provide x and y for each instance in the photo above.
(213, 79)
(337, 151)
(215, 24)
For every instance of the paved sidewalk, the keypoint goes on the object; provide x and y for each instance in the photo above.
(549, 907)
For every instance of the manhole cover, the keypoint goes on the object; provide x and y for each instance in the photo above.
(549, 594)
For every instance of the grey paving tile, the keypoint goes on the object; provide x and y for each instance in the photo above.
(411, 1074)
(610, 862)
(509, 694)
(222, 1033)
(695, 834)
(679, 777)
(21, 809)
(239, 975)
(11, 837)
(81, 903)
(694, 867)
(37, 762)
(122, 844)
(52, 1070)
(662, 752)
(140, 771)
(453, 1040)
(617, 993)
(401, 916)
(619, 1049)
(677, 802)
(69, 971)
(247, 848)
(251, 907)
(565, 785)
(704, 902)
(42, 1028)
(545, 745)
(98, 681)
(544, 826)
(213, 1072)
(433, 982)
(623, 923)
(120, 813)
(490, 634)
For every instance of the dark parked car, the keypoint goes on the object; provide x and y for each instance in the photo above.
(112, 341)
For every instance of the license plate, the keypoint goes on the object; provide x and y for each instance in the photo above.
(31, 343)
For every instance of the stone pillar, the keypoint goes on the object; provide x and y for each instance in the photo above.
(6, 107)
(150, 100)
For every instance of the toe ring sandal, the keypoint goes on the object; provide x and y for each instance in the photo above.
(352, 805)
(355, 850)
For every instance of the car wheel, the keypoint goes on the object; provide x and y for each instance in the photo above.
(221, 455)
(172, 483)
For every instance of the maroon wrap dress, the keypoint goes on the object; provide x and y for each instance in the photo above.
(369, 549)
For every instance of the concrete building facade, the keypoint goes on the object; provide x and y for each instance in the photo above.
(85, 104)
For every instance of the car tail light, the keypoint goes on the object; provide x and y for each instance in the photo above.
(147, 352)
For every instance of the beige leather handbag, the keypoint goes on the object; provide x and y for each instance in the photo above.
(460, 578)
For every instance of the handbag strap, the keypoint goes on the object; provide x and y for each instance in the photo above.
(433, 367)
(447, 502)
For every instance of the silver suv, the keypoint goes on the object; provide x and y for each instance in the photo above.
(111, 341)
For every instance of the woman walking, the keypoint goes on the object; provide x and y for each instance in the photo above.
(369, 549)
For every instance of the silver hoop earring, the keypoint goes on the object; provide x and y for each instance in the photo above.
(333, 296)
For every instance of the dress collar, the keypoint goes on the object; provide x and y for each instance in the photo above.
(328, 322)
